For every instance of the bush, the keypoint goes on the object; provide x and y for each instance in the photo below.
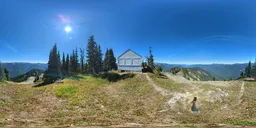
(114, 77)
(175, 70)
(110, 76)
(129, 75)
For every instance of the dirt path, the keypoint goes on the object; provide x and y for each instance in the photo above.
(30, 80)
(241, 93)
(183, 97)
(157, 88)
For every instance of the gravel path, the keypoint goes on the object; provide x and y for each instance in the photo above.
(157, 88)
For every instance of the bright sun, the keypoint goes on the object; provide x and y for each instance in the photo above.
(68, 29)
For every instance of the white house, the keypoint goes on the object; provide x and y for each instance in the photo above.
(129, 61)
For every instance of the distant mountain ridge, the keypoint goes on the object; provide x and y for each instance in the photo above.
(25, 76)
(194, 73)
(226, 71)
(19, 68)
(222, 70)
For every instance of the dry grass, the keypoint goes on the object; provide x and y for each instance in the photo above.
(217, 103)
(85, 101)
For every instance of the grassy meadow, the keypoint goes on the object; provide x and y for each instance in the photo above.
(84, 100)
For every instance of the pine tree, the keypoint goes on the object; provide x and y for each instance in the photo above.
(72, 62)
(58, 54)
(248, 70)
(214, 78)
(7, 74)
(91, 58)
(59, 61)
(63, 64)
(2, 73)
(151, 59)
(98, 57)
(242, 74)
(82, 60)
(86, 68)
(53, 71)
(254, 69)
(159, 69)
(106, 61)
(112, 60)
(67, 65)
(76, 68)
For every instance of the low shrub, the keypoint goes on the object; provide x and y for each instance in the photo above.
(114, 77)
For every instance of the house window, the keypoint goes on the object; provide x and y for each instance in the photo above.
(121, 62)
(128, 62)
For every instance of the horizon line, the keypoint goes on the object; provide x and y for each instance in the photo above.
(40, 62)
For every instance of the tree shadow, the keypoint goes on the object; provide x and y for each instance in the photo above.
(162, 76)
(41, 84)
(114, 77)
(77, 78)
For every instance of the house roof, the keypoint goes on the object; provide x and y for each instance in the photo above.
(128, 51)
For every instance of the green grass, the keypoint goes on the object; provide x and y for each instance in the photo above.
(66, 91)
(3, 123)
(166, 83)
(240, 122)
(84, 100)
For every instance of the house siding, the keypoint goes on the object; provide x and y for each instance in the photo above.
(129, 61)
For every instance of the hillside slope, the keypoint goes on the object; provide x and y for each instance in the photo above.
(84, 100)
(194, 74)
(18, 68)
(225, 71)
(25, 76)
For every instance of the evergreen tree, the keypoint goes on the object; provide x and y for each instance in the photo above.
(67, 65)
(106, 61)
(242, 74)
(248, 70)
(58, 54)
(53, 71)
(72, 62)
(7, 74)
(91, 58)
(2, 73)
(98, 57)
(254, 69)
(214, 78)
(76, 65)
(59, 61)
(151, 59)
(82, 60)
(112, 60)
(63, 64)
(159, 69)
(86, 70)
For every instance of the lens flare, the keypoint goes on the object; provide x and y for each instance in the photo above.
(68, 29)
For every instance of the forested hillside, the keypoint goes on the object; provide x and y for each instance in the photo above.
(18, 68)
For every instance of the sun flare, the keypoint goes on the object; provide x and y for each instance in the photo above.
(68, 29)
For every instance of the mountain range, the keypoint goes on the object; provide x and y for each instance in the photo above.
(19, 68)
(225, 71)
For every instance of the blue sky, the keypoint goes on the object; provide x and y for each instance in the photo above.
(179, 31)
